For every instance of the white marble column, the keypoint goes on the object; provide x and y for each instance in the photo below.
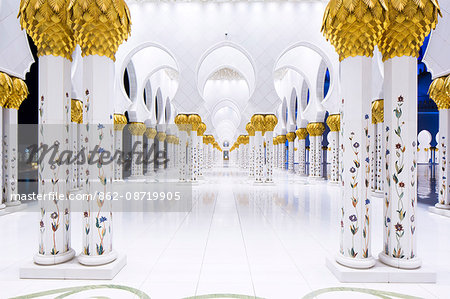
(6, 86)
(302, 133)
(210, 152)
(334, 123)
(76, 114)
(193, 156)
(440, 96)
(315, 131)
(355, 249)
(290, 137)
(120, 122)
(150, 133)
(194, 121)
(400, 89)
(97, 228)
(377, 147)
(137, 130)
(200, 131)
(283, 155)
(182, 157)
(251, 149)
(54, 101)
(181, 120)
(380, 149)
(10, 173)
(161, 151)
(275, 152)
(257, 121)
(2, 204)
(269, 157)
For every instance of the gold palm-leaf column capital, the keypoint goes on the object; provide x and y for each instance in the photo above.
(181, 120)
(120, 121)
(354, 27)
(171, 139)
(410, 21)
(99, 26)
(438, 92)
(315, 129)
(201, 129)
(378, 111)
(281, 139)
(301, 133)
(257, 121)
(334, 122)
(76, 111)
(18, 94)
(161, 136)
(250, 129)
(47, 23)
(270, 121)
(290, 136)
(194, 120)
(137, 128)
(150, 133)
(6, 87)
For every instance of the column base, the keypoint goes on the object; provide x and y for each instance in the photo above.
(13, 203)
(150, 180)
(377, 193)
(42, 259)
(316, 178)
(2, 206)
(97, 260)
(400, 263)
(380, 273)
(136, 178)
(258, 183)
(8, 209)
(73, 270)
(441, 206)
(334, 183)
(269, 183)
(439, 211)
(366, 263)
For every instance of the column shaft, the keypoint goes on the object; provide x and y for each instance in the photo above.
(355, 211)
(400, 89)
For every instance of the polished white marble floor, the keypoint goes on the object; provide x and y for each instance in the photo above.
(265, 241)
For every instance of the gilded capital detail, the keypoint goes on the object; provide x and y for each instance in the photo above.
(99, 26)
(150, 133)
(315, 129)
(250, 129)
(76, 111)
(18, 94)
(137, 128)
(378, 111)
(120, 122)
(440, 92)
(270, 121)
(290, 136)
(47, 23)
(334, 122)
(6, 87)
(257, 121)
(410, 21)
(354, 27)
(302, 133)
